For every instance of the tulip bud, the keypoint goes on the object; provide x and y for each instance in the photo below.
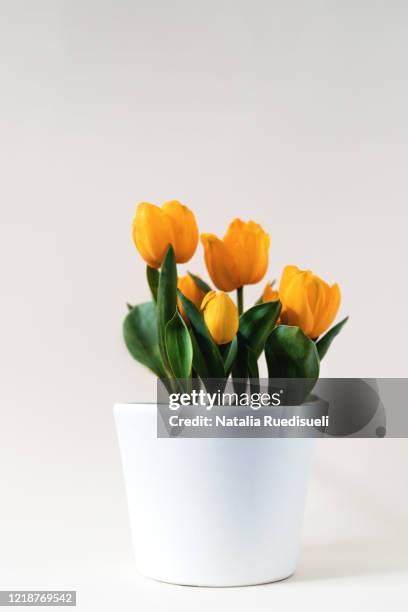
(155, 228)
(307, 301)
(192, 291)
(240, 258)
(270, 294)
(220, 316)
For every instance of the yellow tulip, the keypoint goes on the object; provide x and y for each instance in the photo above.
(191, 290)
(307, 301)
(155, 228)
(240, 258)
(220, 316)
(270, 294)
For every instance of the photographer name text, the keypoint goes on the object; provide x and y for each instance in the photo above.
(247, 421)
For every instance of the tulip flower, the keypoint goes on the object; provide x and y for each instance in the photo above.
(155, 228)
(240, 258)
(270, 294)
(191, 290)
(220, 316)
(307, 301)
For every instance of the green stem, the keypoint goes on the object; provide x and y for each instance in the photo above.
(153, 276)
(240, 300)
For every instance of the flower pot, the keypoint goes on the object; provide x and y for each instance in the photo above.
(212, 512)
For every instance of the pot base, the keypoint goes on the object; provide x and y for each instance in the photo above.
(206, 585)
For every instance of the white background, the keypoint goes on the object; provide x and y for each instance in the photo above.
(291, 113)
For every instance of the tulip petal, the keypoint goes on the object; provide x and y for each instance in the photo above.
(249, 246)
(185, 230)
(288, 273)
(220, 316)
(317, 294)
(270, 294)
(260, 257)
(295, 304)
(238, 243)
(207, 298)
(152, 233)
(331, 306)
(219, 262)
(307, 301)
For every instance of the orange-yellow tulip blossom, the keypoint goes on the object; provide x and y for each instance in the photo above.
(307, 301)
(220, 316)
(155, 228)
(270, 294)
(240, 258)
(191, 290)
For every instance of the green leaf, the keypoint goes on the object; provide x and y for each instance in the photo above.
(241, 366)
(153, 276)
(208, 363)
(253, 371)
(140, 334)
(256, 324)
(200, 283)
(325, 341)
(199, 363)
(246, 363)
(129, 306)
(291, 354)
(229, 355)
(166, 301)
(179, 347)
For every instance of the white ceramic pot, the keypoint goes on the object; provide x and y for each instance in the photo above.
(212, 512)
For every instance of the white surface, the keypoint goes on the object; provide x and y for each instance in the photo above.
(291, 113)
(73, 533)
(233, 508)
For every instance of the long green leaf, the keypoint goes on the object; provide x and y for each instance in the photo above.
(256, 324)
(325, 341)
(253, 372)
(166, 301)
(240, 368)
(246, 362)
(200, 283)
(210, 354)
(200, 365)
(140, 335)
(291, 354)
(179, 347)
(229, 355)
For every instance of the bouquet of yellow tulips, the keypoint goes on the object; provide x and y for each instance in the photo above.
(190, 330)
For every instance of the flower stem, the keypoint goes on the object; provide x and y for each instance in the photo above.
(240, 300)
